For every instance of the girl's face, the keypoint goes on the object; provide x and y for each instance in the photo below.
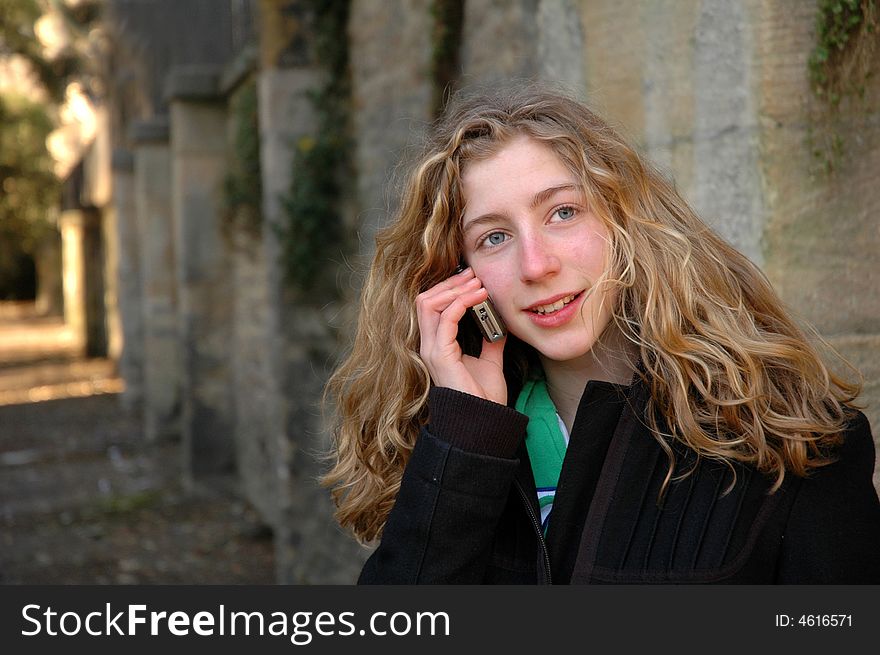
(537, 248)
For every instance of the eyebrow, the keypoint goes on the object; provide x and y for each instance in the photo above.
(540, 198)
(543, 196)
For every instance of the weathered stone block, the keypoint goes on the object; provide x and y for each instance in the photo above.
(198, 165)
(198, 127)
(391, 104)
(561, 44)
(161, 350)
(71, 227)
(128, 280)
(500, 40)
(255, 389)
(193, 83)
(614, 42)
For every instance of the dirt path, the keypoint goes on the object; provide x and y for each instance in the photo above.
(84, 500)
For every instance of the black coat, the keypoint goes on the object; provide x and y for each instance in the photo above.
(467, 508)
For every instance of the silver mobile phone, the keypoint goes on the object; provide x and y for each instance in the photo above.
(489, 320)
(487, 317)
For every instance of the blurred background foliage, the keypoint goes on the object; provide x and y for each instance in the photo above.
(29, 187)
(28, 191)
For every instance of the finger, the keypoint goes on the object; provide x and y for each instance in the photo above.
(429, 310)
(447, 328)
(450, 283)
(438, 300)
(428, 322)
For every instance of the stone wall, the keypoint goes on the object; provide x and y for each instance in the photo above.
(715, 92)
(203, 268)
(820, 238)
(281, 342)
(155, 36)
(391, 103)
(679, 81)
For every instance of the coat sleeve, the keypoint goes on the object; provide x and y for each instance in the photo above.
(442, 525)
(833, 532)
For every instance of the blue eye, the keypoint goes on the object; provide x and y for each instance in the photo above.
(565, 213)
(495, 239)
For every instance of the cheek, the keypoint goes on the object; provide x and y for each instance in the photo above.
(493, 278)
(592, 254)
(498, 292)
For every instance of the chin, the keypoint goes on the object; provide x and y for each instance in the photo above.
(563, 352)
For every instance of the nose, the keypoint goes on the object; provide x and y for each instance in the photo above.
(537, 259)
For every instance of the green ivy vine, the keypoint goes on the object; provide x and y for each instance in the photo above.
(314, 230)
(840, 66)
(243, 185)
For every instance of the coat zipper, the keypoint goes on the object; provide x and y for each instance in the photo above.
(537, 525)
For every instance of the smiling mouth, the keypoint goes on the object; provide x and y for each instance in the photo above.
(555, 306)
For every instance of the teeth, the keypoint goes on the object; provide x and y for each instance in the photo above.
(554, 307)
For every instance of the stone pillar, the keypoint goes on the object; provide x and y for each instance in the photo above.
(728, 189)
(50, 290)
(500, 41)
(198, 164)
(286, 77)
(680, 80)
(257, 398)
(128, 279)
(298, 340)
(391, 103)
(507, 41)
(560, 44)
(83, 262)
(110, 241)
(161, 353)
(70, 223)
(93, 279)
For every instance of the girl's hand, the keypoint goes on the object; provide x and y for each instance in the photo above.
(439, 310)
